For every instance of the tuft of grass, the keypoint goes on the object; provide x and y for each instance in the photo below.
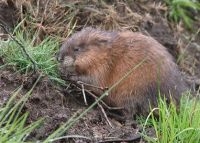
(13, 128)
(43, 55)
(182, 10)
(172, 126)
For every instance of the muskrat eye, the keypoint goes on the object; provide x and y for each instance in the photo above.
(76, 49)
(79, 49)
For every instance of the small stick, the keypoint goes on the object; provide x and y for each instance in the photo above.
(84, 96)
(70, 136)
(108, 107)
(131, 139)
(101, 88)
(22, 47)
(105, 115)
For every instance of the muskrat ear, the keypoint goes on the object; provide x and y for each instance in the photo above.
(102, 42)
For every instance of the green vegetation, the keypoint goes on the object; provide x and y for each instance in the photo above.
(42, 54)
(183, 126)
(182, 10)
(173, 126)
(13, 128)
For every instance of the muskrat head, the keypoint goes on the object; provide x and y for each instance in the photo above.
(84, 52)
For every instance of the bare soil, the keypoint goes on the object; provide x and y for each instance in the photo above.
(56, 105)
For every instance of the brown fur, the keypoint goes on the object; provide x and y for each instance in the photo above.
(102, 58)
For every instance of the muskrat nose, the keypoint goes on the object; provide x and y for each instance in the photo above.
(68, 61)
(59, 57)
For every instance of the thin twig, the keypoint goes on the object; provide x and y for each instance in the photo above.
(45, 10)
(84, 96)
(22, 47)
(101, 88)
(105, 115)
(131, 139)
(105, 105)
(70, 136)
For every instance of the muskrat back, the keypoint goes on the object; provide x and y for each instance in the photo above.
(101, 58)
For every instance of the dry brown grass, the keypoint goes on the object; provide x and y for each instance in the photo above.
(61, 18)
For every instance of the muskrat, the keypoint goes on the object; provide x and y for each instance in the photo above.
(101, 58)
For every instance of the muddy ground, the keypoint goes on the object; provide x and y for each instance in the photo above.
(56, 105)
